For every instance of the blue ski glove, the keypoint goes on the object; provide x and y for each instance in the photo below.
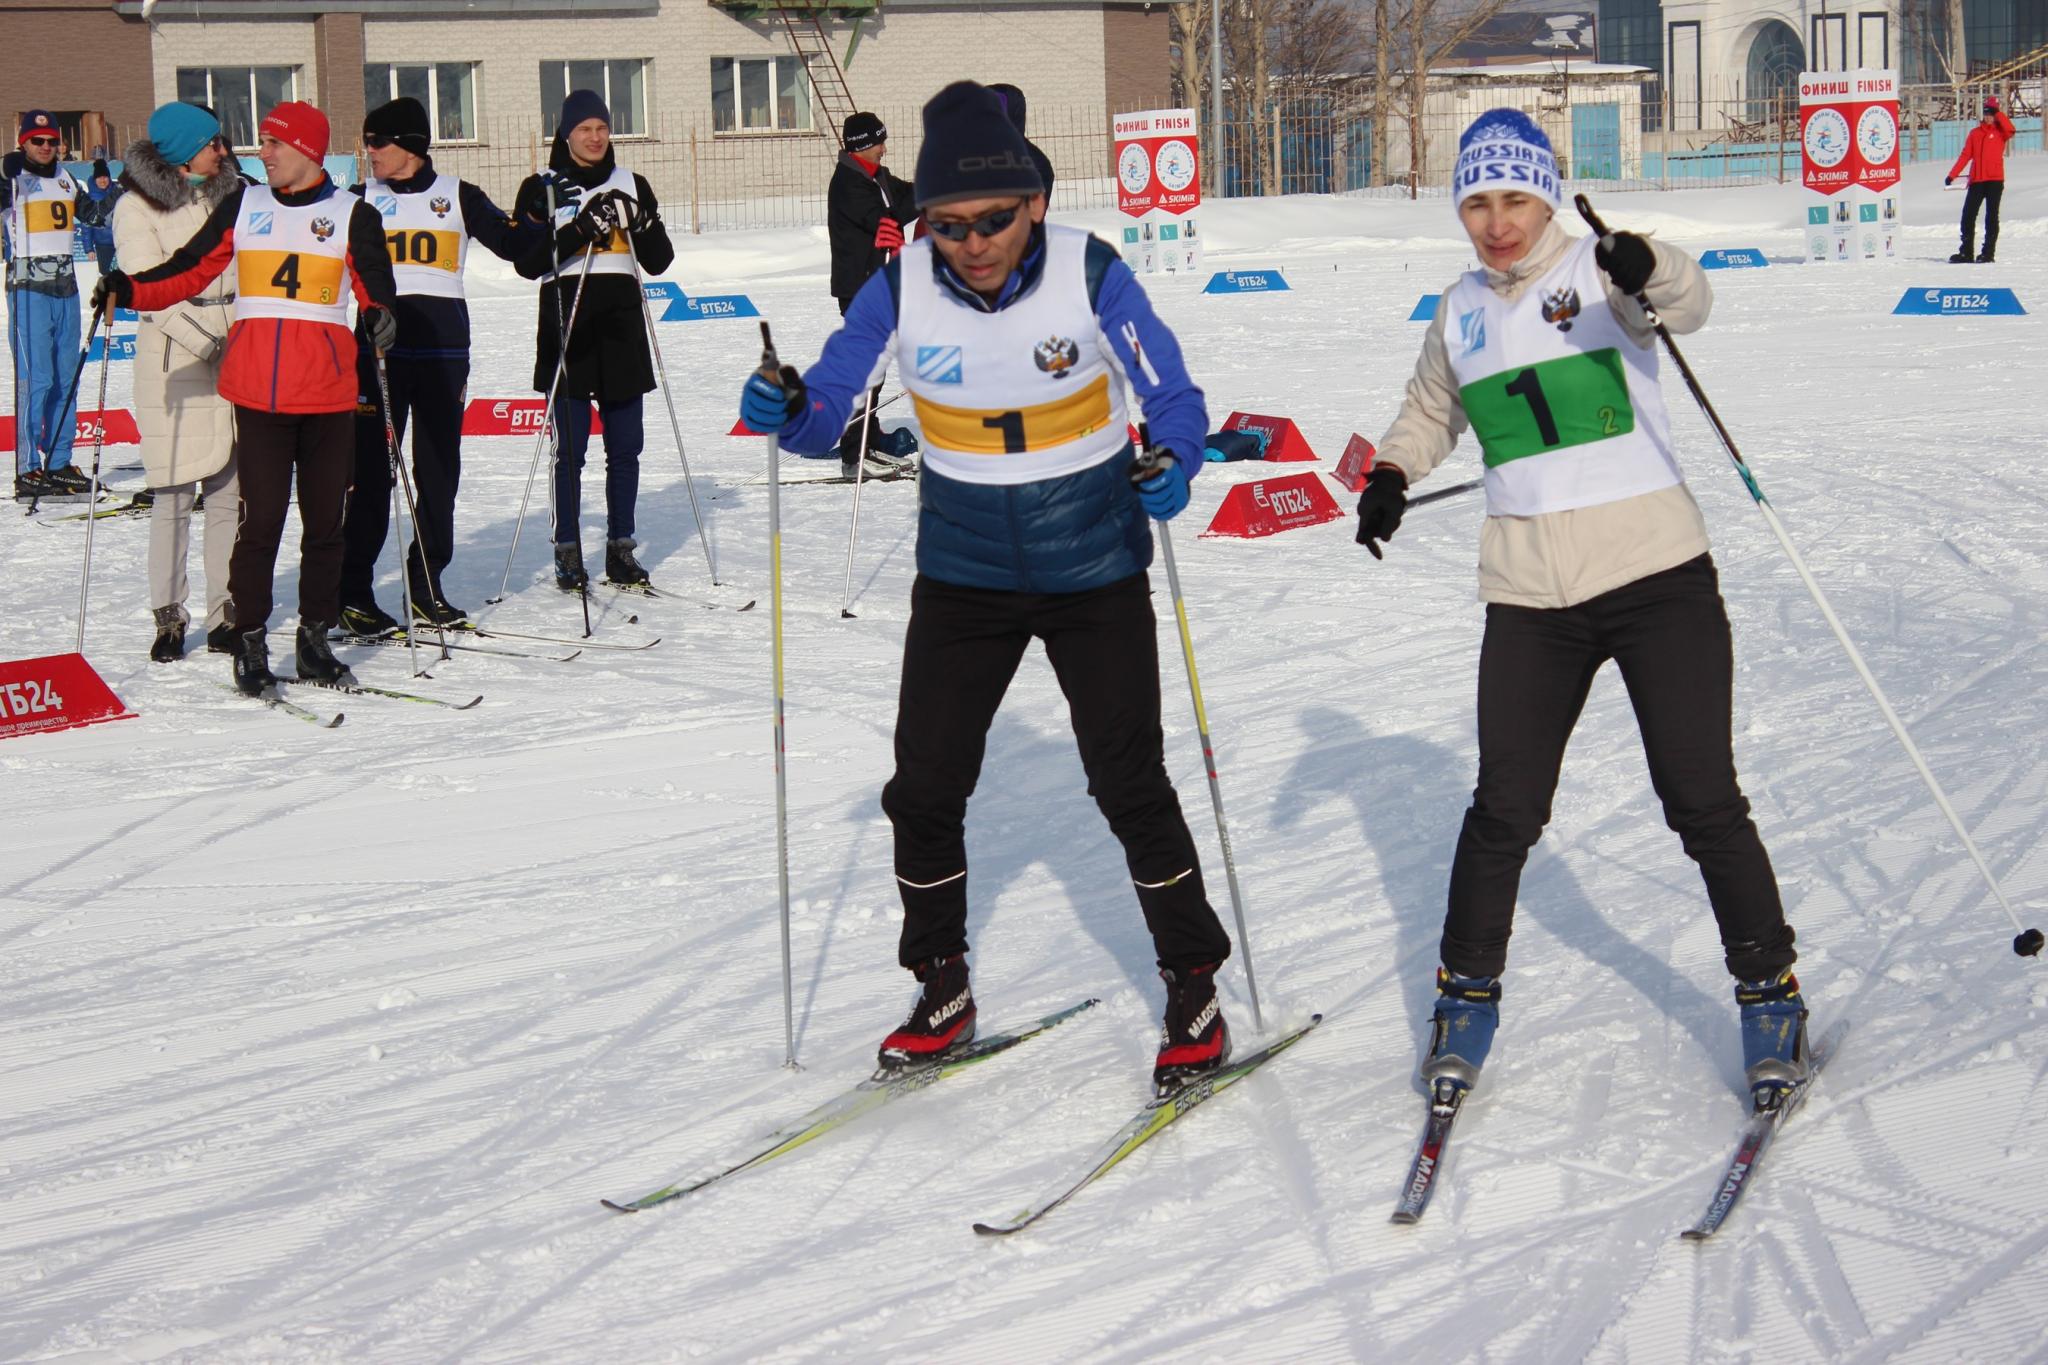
(767, 404)
(1165, 493)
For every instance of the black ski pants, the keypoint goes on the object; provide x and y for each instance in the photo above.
(961, 649)
(426, 395)
(1989, 193)
(1669, 635)
(270, 447)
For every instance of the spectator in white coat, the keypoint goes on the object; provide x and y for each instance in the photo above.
(174, 178)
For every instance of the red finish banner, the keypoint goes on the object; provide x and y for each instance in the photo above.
(1158, 162)
(54, 693)
(1874, 115)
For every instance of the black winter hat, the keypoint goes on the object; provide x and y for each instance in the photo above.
(971, 150)
(404, 121)
(862, 131)
(581, 107)
(1014, 104)
(100, 168)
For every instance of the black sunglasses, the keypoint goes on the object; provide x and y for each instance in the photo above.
(377, 141)
(988, 225)
(42, 142)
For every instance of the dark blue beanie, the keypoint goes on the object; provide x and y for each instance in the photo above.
(583, 105)
(971, 150)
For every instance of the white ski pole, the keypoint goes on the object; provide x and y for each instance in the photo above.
(668, 397)
(2029, 942)
(772, 368)
(99, 441)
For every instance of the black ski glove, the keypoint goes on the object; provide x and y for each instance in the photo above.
(1627, 259)
(598, 219)
(13, 164)
(381, 327)
(535, 204)
(1380, 507)
(116, 286)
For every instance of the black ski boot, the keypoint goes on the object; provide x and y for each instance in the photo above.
(1963, 257)
(69, 479)
(569, 574)
(169, 645)
(253, 677)
(32, 485)
(941, 1021)
(315, 657)
(435, 610)
(621, 568)
(1195, 1039)
(368, 620)
(221, 639)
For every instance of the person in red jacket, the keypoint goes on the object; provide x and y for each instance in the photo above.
(299, 246)
(1984, 156)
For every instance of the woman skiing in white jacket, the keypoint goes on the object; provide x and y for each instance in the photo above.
(174, 178)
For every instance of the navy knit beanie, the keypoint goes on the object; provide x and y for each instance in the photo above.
(36, 123)
(1015, 107)
(581, 106)
(971, 150)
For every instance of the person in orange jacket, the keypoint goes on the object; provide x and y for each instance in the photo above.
(1984, 156)
(300, 247)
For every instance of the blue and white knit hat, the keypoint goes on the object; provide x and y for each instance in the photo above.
(1505, 150)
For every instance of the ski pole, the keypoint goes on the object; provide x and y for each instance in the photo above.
(99, 441)
(860, 470)
(668, 397)
(401, 482)
(547, 428)
(2028, 942)
(771, 367)
(1142, 468)
(49, 438)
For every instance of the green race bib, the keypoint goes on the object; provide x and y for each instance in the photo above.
(1570, 401)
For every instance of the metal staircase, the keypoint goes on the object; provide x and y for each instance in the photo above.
(804, 23)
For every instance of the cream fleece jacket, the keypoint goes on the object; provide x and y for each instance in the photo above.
(1560, 559)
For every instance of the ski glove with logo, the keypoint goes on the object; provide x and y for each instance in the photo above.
(116, 286)
(1627, 259)
(766, 404)
(381, 326)
(889, 236)
(1165, 493)
(535, 205)
(1381, 506)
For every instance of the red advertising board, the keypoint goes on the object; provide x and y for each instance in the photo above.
(121, 429)
(1827, 144)
(1355, 463)
(1284, 440)
(1270, 506)
(1874, 114)
(54, 693)
(509, 417)
(1158, 162)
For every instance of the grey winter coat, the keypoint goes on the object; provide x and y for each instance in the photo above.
(188, 429)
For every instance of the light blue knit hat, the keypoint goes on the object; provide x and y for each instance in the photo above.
(180, 131)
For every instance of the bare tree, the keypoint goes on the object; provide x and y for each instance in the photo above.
(1408, 41)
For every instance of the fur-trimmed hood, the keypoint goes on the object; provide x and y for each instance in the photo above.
(164, 186)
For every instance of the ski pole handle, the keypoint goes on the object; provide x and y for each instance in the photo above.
(1147, 462)
(771, 364)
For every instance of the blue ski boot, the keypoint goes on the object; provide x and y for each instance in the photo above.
(1462, 1028)
(1774, 1055)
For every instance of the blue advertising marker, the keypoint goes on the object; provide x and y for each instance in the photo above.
(1741, 258)
(662, 291)
(124, 348)
(126, 314)
(1245, 282)
(706, 306)
(1951, 302)
(1425, 308)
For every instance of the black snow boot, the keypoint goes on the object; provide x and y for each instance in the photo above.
(1963, 257)
(221, 639)
(1195, 1039)
(169, 645)
(940, 1022)
(315, 657)
(621, 568)
(253, 677)
(569, 574)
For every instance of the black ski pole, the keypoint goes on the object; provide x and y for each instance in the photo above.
(99, 441)
(2029, 942)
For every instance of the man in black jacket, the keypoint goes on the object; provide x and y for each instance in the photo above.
(429, 219)
(609, 214)
(866, 212)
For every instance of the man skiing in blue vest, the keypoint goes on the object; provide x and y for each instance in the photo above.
(1016, 341)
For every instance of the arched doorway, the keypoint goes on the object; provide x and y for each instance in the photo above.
(1776, 57)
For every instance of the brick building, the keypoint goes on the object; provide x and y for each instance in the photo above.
(713, 101)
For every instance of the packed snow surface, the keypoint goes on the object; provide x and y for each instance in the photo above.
(323, 1046)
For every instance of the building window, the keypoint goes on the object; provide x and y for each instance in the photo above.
(622, 83)
(446, 89)
(760, 95)
(238, 95)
